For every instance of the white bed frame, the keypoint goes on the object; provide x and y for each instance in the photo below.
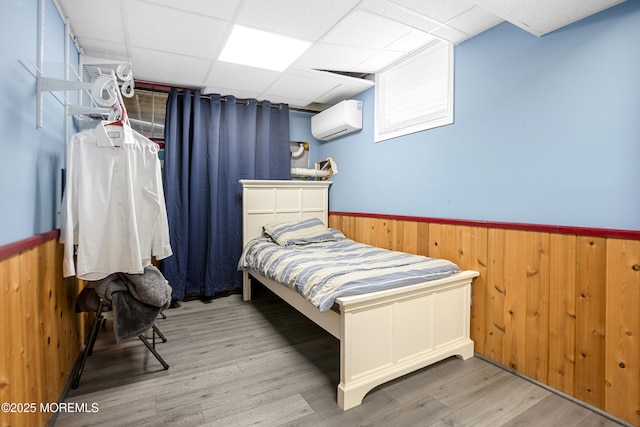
(383, 335)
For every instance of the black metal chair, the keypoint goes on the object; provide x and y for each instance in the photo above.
(104, 307)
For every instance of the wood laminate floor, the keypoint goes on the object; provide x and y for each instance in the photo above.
(260, 363)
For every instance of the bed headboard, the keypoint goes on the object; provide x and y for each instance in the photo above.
(268, 201)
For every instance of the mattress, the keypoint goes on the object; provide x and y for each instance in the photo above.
(335, 266)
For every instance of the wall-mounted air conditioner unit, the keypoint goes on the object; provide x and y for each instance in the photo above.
(343, 118)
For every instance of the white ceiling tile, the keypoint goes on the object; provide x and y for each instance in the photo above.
(224, 74)
(300, 84)
(344, 87)
(174, 31)
(438, 10)
(379, 61)
(221, 9)
(103, 47)
(305, 19)
(337, 78)
(341, 92)
(400, 14)
(540, 17)
(450, 34)
(326, 56)
(96, 20)
(364, 29)
(474, 21)
(411, 41)
(168, 68)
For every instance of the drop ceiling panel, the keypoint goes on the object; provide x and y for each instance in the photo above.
(168, 68)
(411, 41)
(189, 34)
(364, 29)
(438, 10)
(340, 93)
(221, 9)
(379, 61)
(95, 20)
(450, 34)
(301, 84)
(305, 19)
(234, 76)
(99, 47)
(344, 87)
(544, 16)
(474, 21)
(325, 56)
(400, 14)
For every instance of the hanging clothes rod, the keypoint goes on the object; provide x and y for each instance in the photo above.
(240, 101)
(246, 102)
(166, 89)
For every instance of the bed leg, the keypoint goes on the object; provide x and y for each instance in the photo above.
(466, 351)
(352, 398)
(246, 286)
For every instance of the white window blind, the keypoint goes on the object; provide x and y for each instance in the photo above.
(415, 94)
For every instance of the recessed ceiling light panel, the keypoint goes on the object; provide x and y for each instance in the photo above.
(261, 49)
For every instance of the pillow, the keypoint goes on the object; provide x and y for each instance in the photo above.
(337, 234)
(300, 232)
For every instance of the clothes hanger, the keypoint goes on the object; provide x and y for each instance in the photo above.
(121, 113)
(119, 110)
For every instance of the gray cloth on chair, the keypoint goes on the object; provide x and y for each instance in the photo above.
(88, 300)
(136, 299)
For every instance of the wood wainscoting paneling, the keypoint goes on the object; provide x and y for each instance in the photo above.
(40, 332)
(561, 308)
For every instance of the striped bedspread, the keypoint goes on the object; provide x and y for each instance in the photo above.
(322, 272)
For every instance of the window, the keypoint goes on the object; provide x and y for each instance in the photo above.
(415, 94)
(146, 111)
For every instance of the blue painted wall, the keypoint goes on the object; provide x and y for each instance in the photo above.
(300, 130)
(32, 158)
(547, 131)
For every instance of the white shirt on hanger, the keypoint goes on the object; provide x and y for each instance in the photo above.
(113, 207)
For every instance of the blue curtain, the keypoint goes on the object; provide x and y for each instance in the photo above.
(211, 144)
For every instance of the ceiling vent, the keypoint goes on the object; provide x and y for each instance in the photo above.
(343, 118)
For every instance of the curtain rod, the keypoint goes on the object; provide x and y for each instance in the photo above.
(166, 89)
(245, 101)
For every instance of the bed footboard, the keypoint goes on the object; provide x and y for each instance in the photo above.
(389, 334)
